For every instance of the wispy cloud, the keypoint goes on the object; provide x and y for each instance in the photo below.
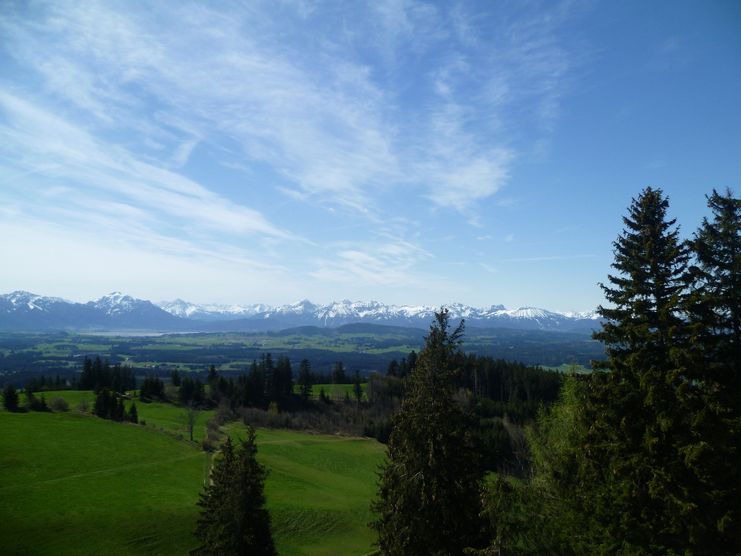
(322, 119)
(184, 129)
(48, 145)
(389, 263)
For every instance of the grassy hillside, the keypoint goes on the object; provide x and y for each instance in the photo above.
(75, 484)
(161, 416)
(319, 490)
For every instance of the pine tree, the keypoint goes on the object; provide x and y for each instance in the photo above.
(712, 401)
(338, 373)
(715, 309)
(305, 380)
(429, 490)
(133, 414)
(647, 292)
(10, 398)
(357, 388)
(233, 518)
(637, 422)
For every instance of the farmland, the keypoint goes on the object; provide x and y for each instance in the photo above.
(364, 348)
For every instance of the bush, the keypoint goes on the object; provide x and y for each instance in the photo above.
(59, 404)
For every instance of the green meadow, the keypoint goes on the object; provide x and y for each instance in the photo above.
(75, 484)
(337, 392)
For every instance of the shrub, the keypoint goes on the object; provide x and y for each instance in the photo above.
(59, 404)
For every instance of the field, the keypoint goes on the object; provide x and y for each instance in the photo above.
(75, 484)
(164, 417)
(128, 489)
(337, 392)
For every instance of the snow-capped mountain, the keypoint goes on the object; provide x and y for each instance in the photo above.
(212, 311)
(128, 312)
(337, 313)
(24, 311)
(27, 301)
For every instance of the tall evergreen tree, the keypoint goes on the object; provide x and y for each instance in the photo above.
(647, 292)
(712, 400)
(233, 516)
(133, 414)
(637, 423)
(357, 389)
(715, 309)
(429, 490)
(338, 373)
(305, 380)
(10, 398)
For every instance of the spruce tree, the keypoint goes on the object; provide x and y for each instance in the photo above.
(715, 309)
(133, 414)
(429, 490)
(305, 380)
(647, 291)
(233, 517)
(637, 422)
(712, 399)
(10, 398)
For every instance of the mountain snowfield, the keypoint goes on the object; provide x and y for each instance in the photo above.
(27, 311)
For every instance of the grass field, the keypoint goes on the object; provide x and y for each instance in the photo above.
(162, 416)
(76, 484)
(336, 392)
(319, 490)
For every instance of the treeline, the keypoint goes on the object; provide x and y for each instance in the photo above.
(95, 375)
(98, 374)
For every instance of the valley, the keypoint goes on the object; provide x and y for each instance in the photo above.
(362, 347)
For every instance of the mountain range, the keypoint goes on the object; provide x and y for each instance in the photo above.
(26, 312)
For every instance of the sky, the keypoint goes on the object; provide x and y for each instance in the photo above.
(403, 151)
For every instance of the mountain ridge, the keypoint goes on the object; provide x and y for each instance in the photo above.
(26, 311)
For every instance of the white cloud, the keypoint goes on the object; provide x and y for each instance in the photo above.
(322, 119)
(390, 263)
(109, 111)
(48, 145)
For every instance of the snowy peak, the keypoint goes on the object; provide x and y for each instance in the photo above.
(20, 300)
(211, 311)
(179, 308)
(116, 303)
(337, 313)
(21, 310)
(529, 313)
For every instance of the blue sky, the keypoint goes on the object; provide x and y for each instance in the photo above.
(403, 151)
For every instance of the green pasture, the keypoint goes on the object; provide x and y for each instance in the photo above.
(568, 368)
(75, 484)
(74, 398)
(319, 490)
(165, 417)
(335, 392)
